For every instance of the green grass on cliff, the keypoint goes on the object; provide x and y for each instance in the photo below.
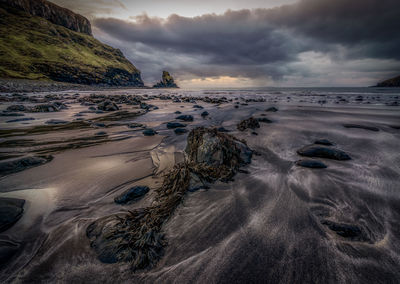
(27, 42)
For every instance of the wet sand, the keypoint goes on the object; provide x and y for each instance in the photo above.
(280, 223)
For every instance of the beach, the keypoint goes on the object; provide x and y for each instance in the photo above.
(275, 221)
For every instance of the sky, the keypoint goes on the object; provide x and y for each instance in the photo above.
(252, 43)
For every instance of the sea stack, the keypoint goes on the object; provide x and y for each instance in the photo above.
(166, 81)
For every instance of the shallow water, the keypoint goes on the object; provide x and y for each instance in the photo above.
(266, 226)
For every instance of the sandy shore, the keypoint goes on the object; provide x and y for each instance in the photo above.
(277, 223)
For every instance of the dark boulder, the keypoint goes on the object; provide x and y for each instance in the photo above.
(323, 152)
(17, 108)
(171, 125)
(20, 119)
(19, 164)
(204, 113)
(11, 210)
(264, 120)
(251, 123)
(309, 163)
(107, 105)
(272, 109)
(325, 142)
(185, 117)
(180, 131)
(56, 121)
(149, 132)
(166, 81)
(132, 194)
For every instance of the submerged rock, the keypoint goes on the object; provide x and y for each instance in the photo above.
(132, 194)
(251, 123)
(19, 164)
(107, 105)
(309, 163)
(323, 152)
(171, 125)
(11, 210)
(185, 117)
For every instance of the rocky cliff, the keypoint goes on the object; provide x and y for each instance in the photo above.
(53, 13)
(393, 82)
(166, 81)
(42, 41)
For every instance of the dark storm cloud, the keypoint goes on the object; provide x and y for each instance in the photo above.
(261, 42)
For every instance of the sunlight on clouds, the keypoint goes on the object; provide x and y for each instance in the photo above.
(218, 82)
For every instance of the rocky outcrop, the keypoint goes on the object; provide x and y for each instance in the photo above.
(53, 13)
(166, 81)
(393, 82)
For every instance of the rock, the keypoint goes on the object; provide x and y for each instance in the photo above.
(132, 194)
(5, 113)
(107, 105)
(204, 113)
(135, 125)
(198, 106)
(344, 230)
(272, 109)
(185, 117)
(11, 210)
(309, 163)
(149, 132)
(166, 81)
(323, 142)
(196, 183)
(323, 152)
(180, 131)
(19, 164)
(178, 112)
(92, 108)
(171, 125)
(101, 133)
(248, 123)
(254, 133)
(48, 107)
(393, 82)
(16, 108)
(264, 119)
(222, 129)
(371, 128)
(56, 121)
(20, 119)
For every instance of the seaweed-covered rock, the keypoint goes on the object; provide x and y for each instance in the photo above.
(11, 210)
(131, 194)
(251, 123)
(107, 105)
(323, 152)
(20, 164)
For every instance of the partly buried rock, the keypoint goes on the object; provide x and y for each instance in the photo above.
(366, 127)
(325, 142)
(56, 106)
(20, 119)
(309, 163)
(137, 236)
(11, 210)
(323, 152)
(149, 132)
(56, 121)
(272, 109)
(17, 108)
(185, 117)
(180, 131)
(19, 164)
(107, 105)
(132, 194)
(171, 125)
(251, 123)
(204, 113)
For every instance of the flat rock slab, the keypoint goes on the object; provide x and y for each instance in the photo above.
(323, 152)
(132, 194)
(310, 163)
(11, 210)
(366, 127)
(19, 164)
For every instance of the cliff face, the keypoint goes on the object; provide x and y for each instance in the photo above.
(166, 81)
(393, 82)
(57, 46)
(53, 13)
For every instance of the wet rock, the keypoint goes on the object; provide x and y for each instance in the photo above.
(135, 125)
(19, 164)
(132, 194)
(254, 133)
(185, 117)
(54, 107)
(198, 106)
(101, 133)
(371, 128)
(345, 230)
(309, 163)
(178, 112)
(251, 123)
(180, 131)
(149, 132)
(107, 105)
(92, 108)
(325, 142)
(171, 125)
(204, 113)
(323, 152)
(196, 183)
(20, 119)
(222, 129)
(272, 109)
(11, 210)
(56, 121)
(5, 113)
(17, 108)
(264, 120)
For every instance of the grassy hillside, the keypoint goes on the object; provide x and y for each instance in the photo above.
(34, 48)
